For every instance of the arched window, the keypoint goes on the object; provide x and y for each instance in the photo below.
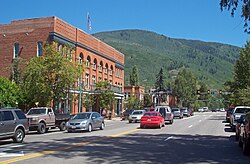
(94, 64)
(100, 66)
(111, 70)
(88, 61)
(80, 58)
(106, 68)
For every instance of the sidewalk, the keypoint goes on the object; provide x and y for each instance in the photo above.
(113, 119)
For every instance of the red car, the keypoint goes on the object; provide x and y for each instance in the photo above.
(152, 119)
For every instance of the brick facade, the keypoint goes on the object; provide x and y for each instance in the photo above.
(27, 33)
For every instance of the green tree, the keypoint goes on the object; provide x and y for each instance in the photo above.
(159, 84)
(9, 93)
(132, 103)
(245, 10)
(16, 70)
(134, 76)
(241, 79)
(147, 101)
(49, 77)
(104, 96)
(185, 87)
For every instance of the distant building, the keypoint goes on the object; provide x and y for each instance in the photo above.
(26, 38)
(136, 91)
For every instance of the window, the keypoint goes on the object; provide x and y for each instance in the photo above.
(100, 66)
(39, 49)
(106, 68)
(87, 80)
(111, 71)
(93, 80)
(99, 79)
(88, 61)
(80, 58)
(7, 116)
(20, 114)
(70, 55)
(94, 64)
(59, 47)
(16, 50)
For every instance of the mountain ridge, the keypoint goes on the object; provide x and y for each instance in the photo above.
(210, 62)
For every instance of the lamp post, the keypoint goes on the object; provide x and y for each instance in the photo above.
(80, 97)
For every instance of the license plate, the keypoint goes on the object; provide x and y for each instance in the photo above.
(149, 119)
(73, 127)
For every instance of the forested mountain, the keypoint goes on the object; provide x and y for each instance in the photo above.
(210, 62)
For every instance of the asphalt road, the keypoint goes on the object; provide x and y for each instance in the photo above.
(203, 138)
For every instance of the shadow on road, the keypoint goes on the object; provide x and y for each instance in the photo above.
(144, 148)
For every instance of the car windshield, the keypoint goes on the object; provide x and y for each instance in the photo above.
(81, 116)
(137, 112)
(242, 110)
(150, 114)
(175, 109)
(37, 111)
(183, 109)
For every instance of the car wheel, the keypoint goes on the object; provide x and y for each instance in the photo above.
(159, 126)
(141, 126)
(62, 126)
(102, 126)
(18, 136)
(129, 121)
(171, 122)
(90, 128)
(163, 124)
(41, 128)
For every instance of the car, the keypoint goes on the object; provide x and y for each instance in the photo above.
(236, 113)
(166, 112)
(200, 110)
(185, 111)
(152, 119)
(177, 112)
(136, 116)
(85, 121)
(244, 137)
(13, 124)
(126, 114)
(228, 114)
(238, 126)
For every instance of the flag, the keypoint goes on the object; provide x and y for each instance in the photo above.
(89, 23)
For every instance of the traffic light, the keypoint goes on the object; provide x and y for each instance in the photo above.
(220, 92)
(198, 92)
(208, 91)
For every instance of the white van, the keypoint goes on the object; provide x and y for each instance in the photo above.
(166, 112)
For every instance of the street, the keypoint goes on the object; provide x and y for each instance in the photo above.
(202, 138)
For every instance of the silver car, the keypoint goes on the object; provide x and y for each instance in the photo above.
(177, 112)
(85, 121)
(136, 116)
(166, 112)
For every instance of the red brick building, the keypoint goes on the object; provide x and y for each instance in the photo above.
(25, 39)
(136, 91)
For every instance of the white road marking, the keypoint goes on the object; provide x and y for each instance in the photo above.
(11, 152)
(200, 120)
(190, 126)
(168, 138)
(172, 137)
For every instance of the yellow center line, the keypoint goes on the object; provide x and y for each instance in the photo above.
(34, 155)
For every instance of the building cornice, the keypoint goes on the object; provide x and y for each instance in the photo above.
(53, 36)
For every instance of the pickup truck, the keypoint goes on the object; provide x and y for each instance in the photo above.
(236, 114)
(42, 119)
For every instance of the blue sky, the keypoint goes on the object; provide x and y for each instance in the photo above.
(187, 19)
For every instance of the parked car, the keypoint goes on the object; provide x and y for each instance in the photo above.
(13, 124)
(136, 116)
(177, 112)
(228, 114)
(166, 112)
(185, 111)
(236, 113)
(42, 119)
(244, 137)
(152, 119)
(200, 110)
(126, 114)
(238, 126)
(86, 121)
